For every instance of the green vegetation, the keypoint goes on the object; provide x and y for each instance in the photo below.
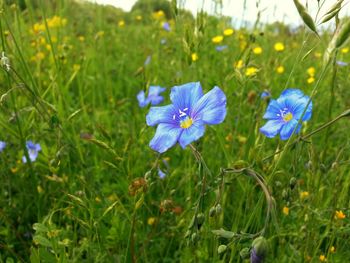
(69, 79)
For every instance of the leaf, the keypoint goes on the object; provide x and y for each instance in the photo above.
(40, 228)
(224, 233)
(42, 241)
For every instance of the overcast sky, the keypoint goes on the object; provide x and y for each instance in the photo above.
(280, 10)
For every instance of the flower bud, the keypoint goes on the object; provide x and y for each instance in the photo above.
(259, 250)
(292, 182)
(218, 209)
(212, 212)
(222, 249)
(200, 220)
(245, 253)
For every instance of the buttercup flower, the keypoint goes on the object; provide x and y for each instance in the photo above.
(217, 39)
(184, 121)
(2, 146)
(284, 114)
(153, 96)
(279, 46)
(33, 151)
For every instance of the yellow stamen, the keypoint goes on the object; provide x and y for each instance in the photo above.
(288, 117)
(186, 123)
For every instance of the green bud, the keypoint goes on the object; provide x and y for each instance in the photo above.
(245, 253)
(260, 246)
(194, 238)
(222, 249)
(200, 220)
(305, 16)
(292, 182)
(218, 209)
(285, 194)
(188, 233)
(212, 212)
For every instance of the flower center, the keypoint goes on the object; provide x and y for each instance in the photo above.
(288, 117)
(186, 123)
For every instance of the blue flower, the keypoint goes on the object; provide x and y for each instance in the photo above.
(265, 94)
(153, 96)
(33, 150)
(161, 174)
(184, 121)
(147, 60)
(221, 48)
(342, 63)
(166, 26)
(2, 146)
(284, 114)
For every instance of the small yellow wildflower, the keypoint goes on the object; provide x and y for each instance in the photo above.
(285, 210)
(339, 215)
(97, 199)
(151, 221)
(194, 57)
(243, 44)
(158, 15)
(251, 71)
(121, 23)
(48, 47)
(228, 32)
(39, 189)
(39, 56)
(238, 64)
(317, 54)
(344, 50)
(100, 34)
(6, 33)
(280, 69)
(310, 80)
(304, 195)
(138, 18)
(217, 39)
(323, 258)
(279, 46)
(311, 71)
(242, 139)
(76, 67)
(81, 38)
(332, 249)
(257, 50)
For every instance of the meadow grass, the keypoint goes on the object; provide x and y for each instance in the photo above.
(70, 75)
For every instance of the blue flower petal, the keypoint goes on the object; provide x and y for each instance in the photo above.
(162, 114)
(185, 96)
(300, 107)
(155, 100)
(155, 90)
(211, 108)
(271, 128)
(142, 99)
(292, 92)
(288, 128)
(166, 136)
(2, 145)
(192, 134)
(273, 110)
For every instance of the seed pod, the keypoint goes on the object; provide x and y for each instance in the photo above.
(259, 250)
(344, 34)
(200, 220)
(245, 253)
(305, 16)
(212, 212)
(292, 182)
(222, 249)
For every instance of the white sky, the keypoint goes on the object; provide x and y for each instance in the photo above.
(274, 10)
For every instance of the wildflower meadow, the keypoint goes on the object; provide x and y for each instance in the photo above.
(159, 135)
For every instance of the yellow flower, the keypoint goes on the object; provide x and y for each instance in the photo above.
(304, 195)
(310, 80)
(251, 71)
(158, 15)
(121, 23)
(332, 249)
(279, 46)
(76, 67)
(138, 18)
(54, 39)
(323, 258)
(81, 38)
(39, 56)
(339, 215)
(317, 54)
(280, 69)
(243, 44)
(39, 189)
(257, 50)
(6, 33)
(228, 32)
(151, 220)
(217, 39)
(238, 64)
(97, 199)
(194, 57)
(285, 210)
(344, 50)
(311, 71)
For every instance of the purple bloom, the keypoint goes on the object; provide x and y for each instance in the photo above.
(166, 26)
(153, 96)
(161, 174)
(284, 114)
(254, 258)
(148, 60)
(342, 63)
(33, 150)
(2, 146)
(184, 121)
(221, 48)
(265, 94)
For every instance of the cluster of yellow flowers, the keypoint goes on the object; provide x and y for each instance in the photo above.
(311, 72)
(53, 22)
(219, 38)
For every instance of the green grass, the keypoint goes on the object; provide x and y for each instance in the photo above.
(78, 201)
